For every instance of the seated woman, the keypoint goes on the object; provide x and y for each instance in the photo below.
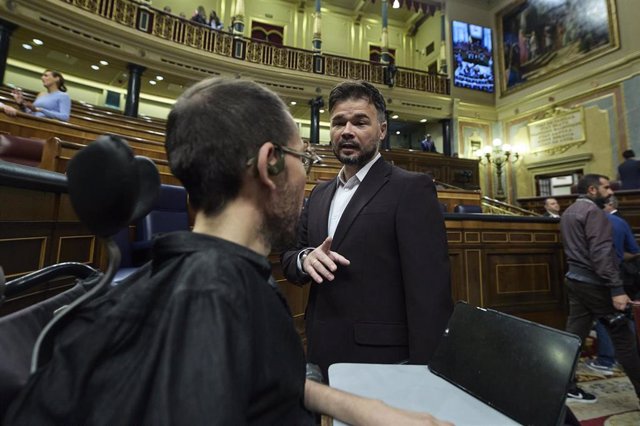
(53, 104)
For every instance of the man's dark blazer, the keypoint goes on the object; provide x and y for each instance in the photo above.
(393, 301)
(629, 174)
(428, 145)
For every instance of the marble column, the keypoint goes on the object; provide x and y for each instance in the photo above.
(133, 90)
(317, 29)
(314, 134)
(6, 28)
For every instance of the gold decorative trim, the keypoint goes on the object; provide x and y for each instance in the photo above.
(500, 237)
(527, 237)
(457, 234)
(538, 237)
(471, 237)
(559, 149)
(182, 32)
(480, 283)
(556, 114)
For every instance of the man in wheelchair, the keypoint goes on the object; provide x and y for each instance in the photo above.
(201, 334)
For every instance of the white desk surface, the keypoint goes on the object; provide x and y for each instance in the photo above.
(414, 387)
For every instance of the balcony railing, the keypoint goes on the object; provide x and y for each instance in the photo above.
(142, 17)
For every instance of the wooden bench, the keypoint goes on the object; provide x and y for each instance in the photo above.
(26, 125)
(83, 108)
(57, 153)
(20, 150)
(107, 124)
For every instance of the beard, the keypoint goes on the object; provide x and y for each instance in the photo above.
(281, 217)
(360, 156)
(601, 201)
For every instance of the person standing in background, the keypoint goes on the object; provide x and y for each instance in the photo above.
(200, 16)
(53, 104)
(214, 21)
(629, 171)
(551, 207)
(595, 289)
(427, 144)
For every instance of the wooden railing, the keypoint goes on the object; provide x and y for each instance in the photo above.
(496, 207)
(167, 26)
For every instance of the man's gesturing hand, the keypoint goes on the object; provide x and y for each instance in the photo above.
(322, 262)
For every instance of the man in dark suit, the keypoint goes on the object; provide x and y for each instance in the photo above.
(629, 171)
(373, 244)
(428, 144)
(551, 208)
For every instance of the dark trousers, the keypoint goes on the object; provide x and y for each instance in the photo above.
(588, 303)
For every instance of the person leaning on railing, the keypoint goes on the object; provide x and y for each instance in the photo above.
(55, 103)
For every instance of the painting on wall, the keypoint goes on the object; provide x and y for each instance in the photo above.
(538, 39)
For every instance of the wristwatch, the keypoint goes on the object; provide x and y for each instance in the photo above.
(302, 256)
(313, 373)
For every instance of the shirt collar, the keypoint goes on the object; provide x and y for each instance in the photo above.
(361, 173)
(178, 243)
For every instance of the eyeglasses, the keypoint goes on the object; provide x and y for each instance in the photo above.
(308, 156)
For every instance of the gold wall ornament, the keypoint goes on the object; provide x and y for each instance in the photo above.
(559, 149)
(559, 127)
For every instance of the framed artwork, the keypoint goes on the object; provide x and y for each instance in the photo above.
(538, 39)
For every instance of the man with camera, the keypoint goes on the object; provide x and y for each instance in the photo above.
(593, 281)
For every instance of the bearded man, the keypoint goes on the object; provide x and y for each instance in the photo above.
(201, 335)
(372, 243)
(595, 289)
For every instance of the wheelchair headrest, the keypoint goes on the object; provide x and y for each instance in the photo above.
(109, 188)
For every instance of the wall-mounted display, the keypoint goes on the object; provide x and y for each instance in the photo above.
(472, 56)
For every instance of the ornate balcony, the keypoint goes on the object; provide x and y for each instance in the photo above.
(144, 18)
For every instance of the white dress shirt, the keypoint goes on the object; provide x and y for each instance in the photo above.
(344, 193)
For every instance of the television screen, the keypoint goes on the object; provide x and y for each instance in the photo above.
(473, 57)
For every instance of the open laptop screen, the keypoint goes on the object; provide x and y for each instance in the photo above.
(518, 367)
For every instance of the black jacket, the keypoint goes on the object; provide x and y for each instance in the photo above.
(199, 337)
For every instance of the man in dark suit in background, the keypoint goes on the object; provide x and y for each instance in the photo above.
(551, 208)
(373, 244)
(629, 171)
(428, 144)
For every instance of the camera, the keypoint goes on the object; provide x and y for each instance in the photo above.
(616, 319)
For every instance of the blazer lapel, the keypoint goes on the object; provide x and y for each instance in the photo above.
(377, 177)
(319, 223)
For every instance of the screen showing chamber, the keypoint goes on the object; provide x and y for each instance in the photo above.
(472, 56)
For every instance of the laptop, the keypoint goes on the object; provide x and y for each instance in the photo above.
(518, 367)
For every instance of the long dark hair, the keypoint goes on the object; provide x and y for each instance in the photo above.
(60, 78)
